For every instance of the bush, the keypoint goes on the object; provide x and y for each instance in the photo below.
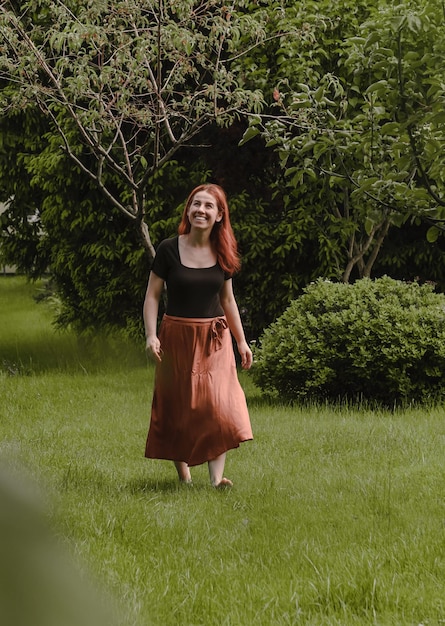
(380, 340)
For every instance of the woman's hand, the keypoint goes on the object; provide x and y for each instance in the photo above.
(153, 346)
(245, 354)
(151, 307)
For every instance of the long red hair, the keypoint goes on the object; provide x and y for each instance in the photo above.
(222, 236)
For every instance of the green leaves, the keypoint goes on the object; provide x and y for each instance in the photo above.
(381, 340)
(129, 79)
(368, 125)
(432, 234)
(380, 87)
(250, 133)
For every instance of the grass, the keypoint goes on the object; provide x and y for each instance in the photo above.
(336, 518)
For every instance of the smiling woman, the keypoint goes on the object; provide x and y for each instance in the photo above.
(222, 238)
(203, 211)
(199, 409)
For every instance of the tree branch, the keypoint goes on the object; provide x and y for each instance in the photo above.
(376, 249)
(362, 251)
(97, 178)
(423, 175)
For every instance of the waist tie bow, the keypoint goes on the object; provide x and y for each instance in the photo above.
(217, 328)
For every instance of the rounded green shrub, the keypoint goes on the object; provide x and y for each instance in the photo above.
(382, 340)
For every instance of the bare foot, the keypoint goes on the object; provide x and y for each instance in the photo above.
(225, 482)
(186, 481)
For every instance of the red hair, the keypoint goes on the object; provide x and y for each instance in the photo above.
(222, 236)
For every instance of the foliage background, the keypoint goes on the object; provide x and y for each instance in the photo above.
(328, 140)
(379, 341)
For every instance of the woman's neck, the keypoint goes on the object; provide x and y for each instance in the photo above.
(198, 239)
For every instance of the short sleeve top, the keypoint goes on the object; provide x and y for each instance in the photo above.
(191, 292)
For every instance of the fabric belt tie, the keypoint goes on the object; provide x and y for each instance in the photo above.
(217, 328)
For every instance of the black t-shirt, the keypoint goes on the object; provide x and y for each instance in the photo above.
(191, 292)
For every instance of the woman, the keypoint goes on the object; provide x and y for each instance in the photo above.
(199, 409)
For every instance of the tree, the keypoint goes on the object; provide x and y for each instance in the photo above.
(126, 85)
(361, 139)
(116, 93)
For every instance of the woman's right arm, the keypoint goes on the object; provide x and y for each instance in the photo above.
(150, 311)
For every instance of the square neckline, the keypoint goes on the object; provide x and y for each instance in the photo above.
(209, 267)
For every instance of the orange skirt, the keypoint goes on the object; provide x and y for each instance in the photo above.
(199, 409)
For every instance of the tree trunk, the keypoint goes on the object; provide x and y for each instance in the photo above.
(144, 236)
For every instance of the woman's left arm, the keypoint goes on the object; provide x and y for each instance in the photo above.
(231, 312)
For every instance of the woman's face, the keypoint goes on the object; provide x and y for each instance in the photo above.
(203, 211)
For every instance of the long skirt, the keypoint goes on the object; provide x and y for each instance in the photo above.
(199, 409)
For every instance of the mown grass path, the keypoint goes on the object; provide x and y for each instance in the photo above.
(337, 515)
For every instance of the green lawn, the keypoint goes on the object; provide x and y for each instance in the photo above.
(336, 516)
